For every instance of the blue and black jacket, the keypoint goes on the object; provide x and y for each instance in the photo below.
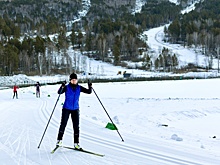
(72, 94)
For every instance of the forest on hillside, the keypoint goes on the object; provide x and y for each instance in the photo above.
(199, 29)
(108, 32)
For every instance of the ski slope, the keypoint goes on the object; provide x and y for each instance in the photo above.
(189, 108)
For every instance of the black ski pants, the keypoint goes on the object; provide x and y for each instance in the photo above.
(15, 94)
(37, 92)
(75, 121)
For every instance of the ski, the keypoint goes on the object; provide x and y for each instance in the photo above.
(54, 149)
(82, 150)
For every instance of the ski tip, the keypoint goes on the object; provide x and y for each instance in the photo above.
(54, 149)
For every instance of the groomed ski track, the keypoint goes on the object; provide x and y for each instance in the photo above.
(115, 146)
(20, 136)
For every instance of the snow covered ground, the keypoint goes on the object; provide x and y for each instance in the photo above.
(161, 122)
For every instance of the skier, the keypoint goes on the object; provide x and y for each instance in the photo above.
(71, 107)
(37, 89)
(15, 91)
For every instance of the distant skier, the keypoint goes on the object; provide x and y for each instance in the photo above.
(15, 88)
(71, 107)
(37, 89)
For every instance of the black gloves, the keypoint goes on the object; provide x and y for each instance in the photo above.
(63, 85)
(89, 84)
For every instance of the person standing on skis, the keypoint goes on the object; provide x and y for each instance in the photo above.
(71, 107)
(37, 89)
(15, 88)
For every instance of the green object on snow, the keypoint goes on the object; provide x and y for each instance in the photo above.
(111, 126)
(48, 95)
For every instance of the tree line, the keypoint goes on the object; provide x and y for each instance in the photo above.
(109, 32)
(199, 29)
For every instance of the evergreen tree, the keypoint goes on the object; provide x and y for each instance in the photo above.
(73, 37)
(116, 50)
(88, 41)
(10, 61)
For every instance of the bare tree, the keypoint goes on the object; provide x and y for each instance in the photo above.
(218, 56)
(40, 62)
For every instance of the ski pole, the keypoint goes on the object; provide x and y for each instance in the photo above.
(50, 118)
(107, 114)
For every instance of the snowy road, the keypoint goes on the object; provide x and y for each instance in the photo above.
(185, 55)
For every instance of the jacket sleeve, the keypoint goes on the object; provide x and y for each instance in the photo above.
(84, 90)
(61, 90)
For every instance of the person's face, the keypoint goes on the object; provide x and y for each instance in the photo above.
(73, 81)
